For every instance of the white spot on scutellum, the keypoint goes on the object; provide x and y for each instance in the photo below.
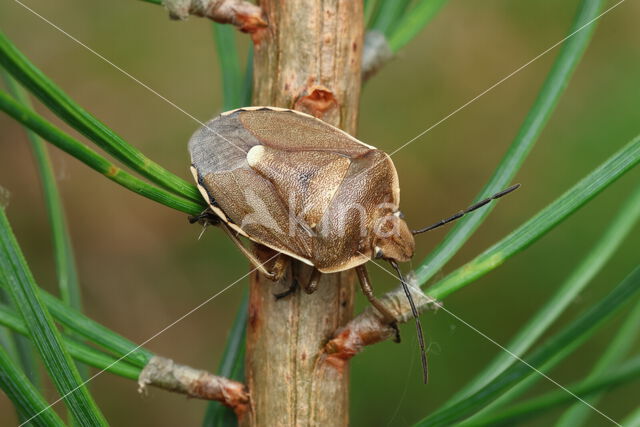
(255, 155)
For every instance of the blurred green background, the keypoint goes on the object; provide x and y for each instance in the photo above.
(141, 265)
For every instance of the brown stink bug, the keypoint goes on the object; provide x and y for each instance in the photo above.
(308, 191)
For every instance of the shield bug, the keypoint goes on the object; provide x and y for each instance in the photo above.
(308, 191)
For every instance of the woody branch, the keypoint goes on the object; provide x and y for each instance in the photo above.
(307, 59)
(246, 16)
(164, 373)
(249, 18)
(369, 327)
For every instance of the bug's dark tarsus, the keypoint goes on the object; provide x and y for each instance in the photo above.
(206, 216)
(308, 191)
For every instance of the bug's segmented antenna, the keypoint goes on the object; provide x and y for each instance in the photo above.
(471, 208)
(414, 311)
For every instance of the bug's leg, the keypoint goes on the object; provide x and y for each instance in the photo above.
(367, 290)
(205, 217)
(312, 284)
(280, 266)
(292, 288)
(260, 266)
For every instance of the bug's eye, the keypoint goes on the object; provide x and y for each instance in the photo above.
(377, 252)
(398, 214)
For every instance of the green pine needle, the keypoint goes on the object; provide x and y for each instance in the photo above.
(388, 15)
(95, 332)
(519, 239)
(92, 159)
(26, 398)
(79, 351)
(75, 116)
(578, 331)
(539, 114)
(227, 53)
(46, 337)
(589, 267)
(63, 250)
(412, 22)
(633, 419)
(624, 374)
(616, 351)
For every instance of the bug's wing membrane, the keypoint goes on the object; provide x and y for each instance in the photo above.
(220, 145)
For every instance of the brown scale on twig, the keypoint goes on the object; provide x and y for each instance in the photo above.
(318, 102)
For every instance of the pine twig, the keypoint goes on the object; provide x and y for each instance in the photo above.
(245, 16)
(370, 328)
(164, 373)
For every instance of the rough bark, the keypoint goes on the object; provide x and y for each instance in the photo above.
(308, 58)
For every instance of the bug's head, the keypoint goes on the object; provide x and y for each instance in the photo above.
(393, 239)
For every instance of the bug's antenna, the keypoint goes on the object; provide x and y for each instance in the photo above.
(471, 208)
(414, 311)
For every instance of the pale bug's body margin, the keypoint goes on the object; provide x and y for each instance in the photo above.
(308, 191)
